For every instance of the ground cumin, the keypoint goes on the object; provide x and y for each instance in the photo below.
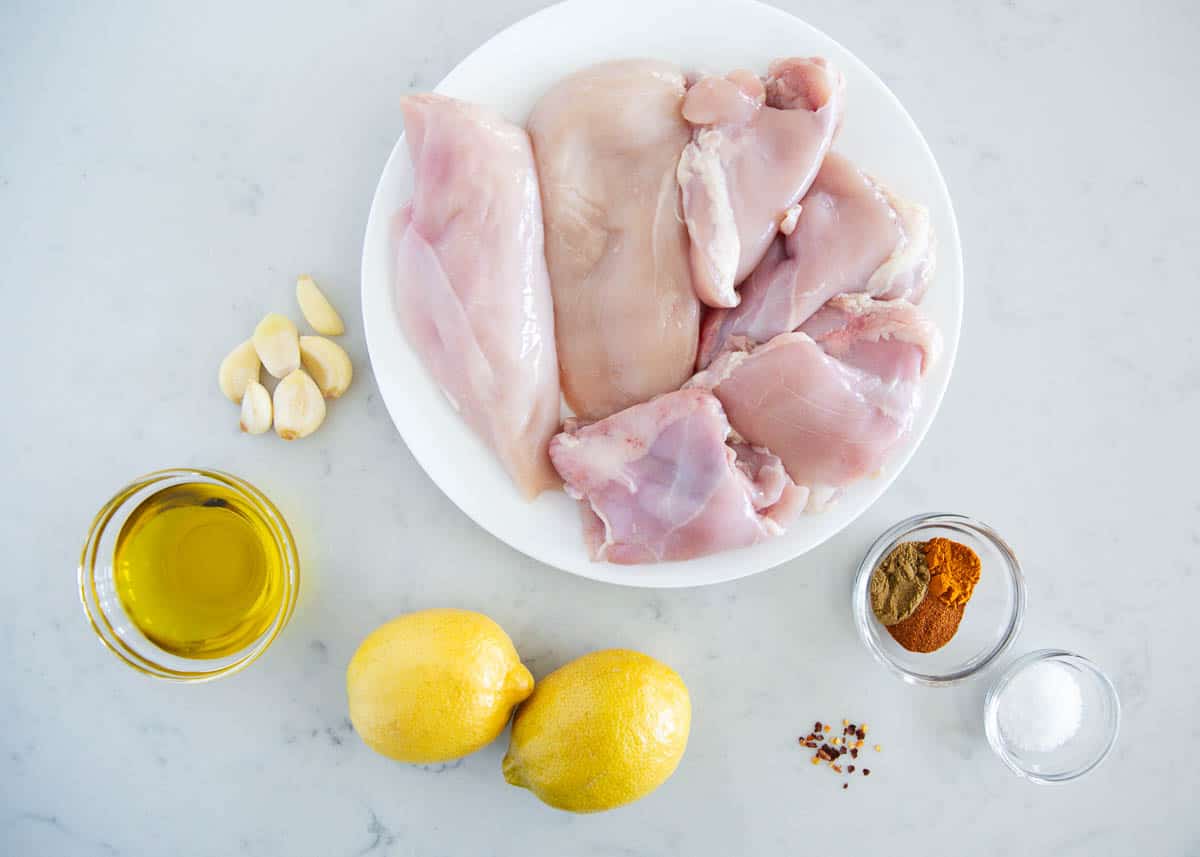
(931, 625)
(899, 583)
(953, 571)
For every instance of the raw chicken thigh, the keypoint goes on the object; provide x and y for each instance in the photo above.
(851, 235)
(756, 148)
(889, 339)
(658, 482)
(834, 398)
(471, 284)
(607, 141)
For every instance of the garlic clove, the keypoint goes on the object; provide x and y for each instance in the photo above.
(256, 409)
(278, 344)
(299, 406)
(238, 369)
(327, 363)
(317, 310)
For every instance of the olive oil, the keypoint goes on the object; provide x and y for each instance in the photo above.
(197, 571)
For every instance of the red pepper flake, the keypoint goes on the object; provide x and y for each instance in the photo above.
(831, 751)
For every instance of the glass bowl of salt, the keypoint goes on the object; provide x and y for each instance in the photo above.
(1052, 716)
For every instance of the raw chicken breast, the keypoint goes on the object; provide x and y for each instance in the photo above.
(658, 482)
(756, 148)
(851, 235)
(472, 290)
(834, 398)
(607, 140)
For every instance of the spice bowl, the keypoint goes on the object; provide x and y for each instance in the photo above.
(1086, 713)
(991, 619)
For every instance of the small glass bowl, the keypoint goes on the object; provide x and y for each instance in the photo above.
(992, 617)
(97, 588)
(1086, 749)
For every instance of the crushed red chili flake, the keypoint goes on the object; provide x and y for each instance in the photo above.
(832, 751)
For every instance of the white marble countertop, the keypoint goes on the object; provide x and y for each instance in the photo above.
(167, 169)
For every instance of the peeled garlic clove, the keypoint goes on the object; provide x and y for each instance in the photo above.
(278, 344)
(299, 406)
(327, 363)
(239, 368)
(256, 409)
(318, 311)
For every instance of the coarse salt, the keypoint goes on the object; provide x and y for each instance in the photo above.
(1041, 708)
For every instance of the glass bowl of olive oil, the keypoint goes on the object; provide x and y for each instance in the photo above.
(189, 575)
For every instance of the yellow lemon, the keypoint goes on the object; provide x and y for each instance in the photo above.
(434, 685)
(602, 731)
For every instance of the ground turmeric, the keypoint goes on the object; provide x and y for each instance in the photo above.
(953, 571)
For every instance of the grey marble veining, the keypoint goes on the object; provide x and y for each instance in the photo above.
(166, 170)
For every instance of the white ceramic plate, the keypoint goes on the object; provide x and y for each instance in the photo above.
(509, 72)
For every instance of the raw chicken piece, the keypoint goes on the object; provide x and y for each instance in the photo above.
(834, 398)
(657, 482)
(852, 235)
(607, 140)
(772, 490)
(756, 148)
(471, 285)
(870, 335)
